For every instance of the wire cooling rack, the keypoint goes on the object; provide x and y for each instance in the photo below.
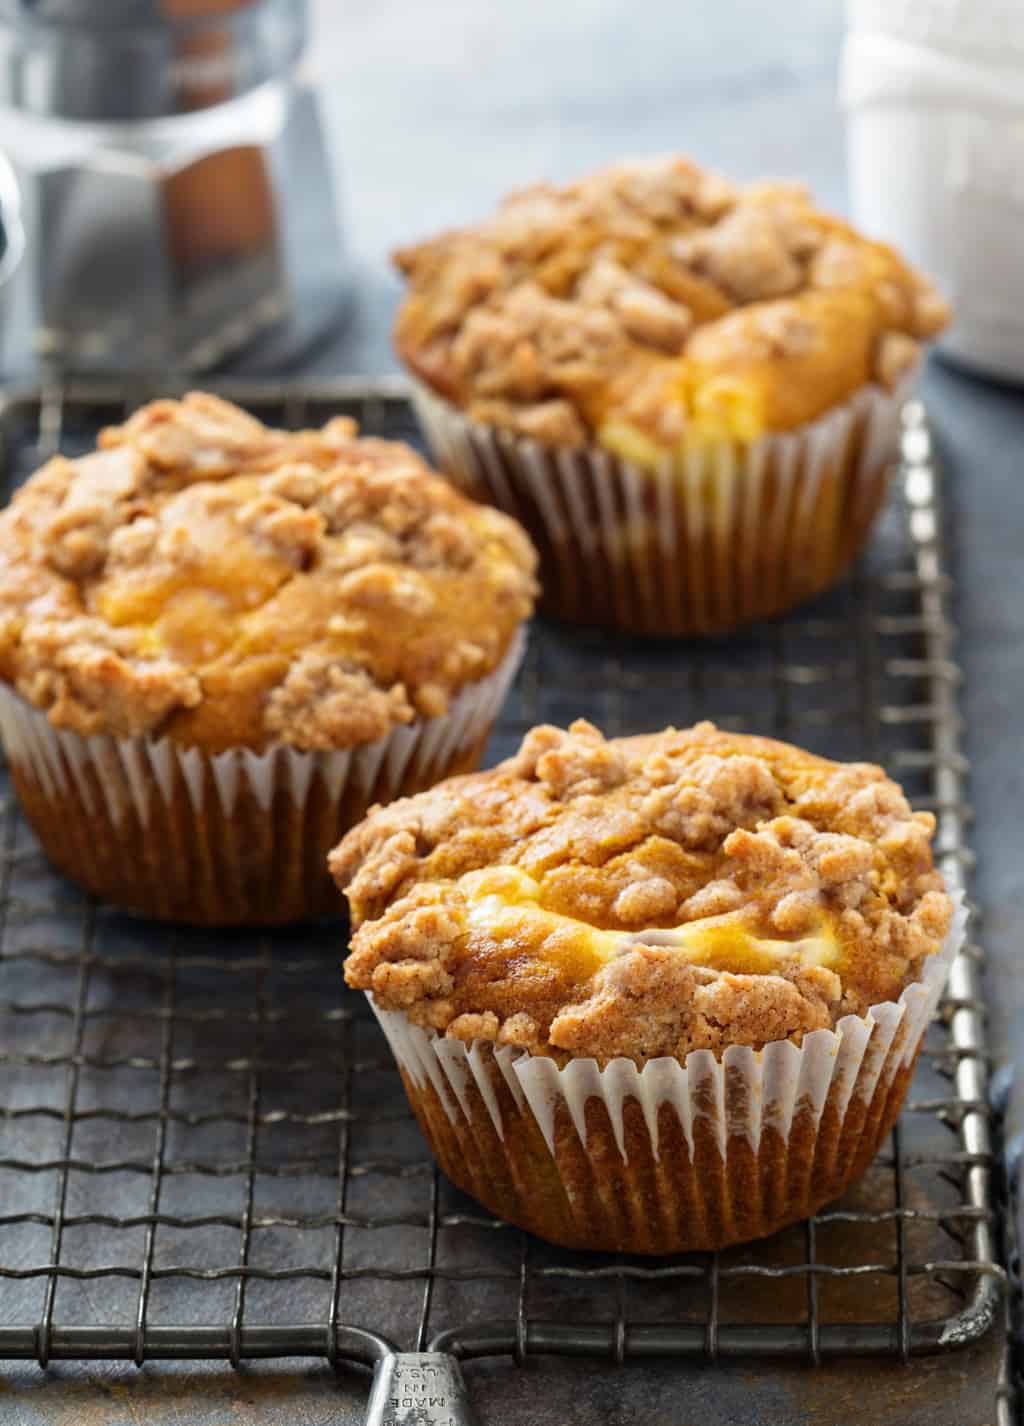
(205, 1150)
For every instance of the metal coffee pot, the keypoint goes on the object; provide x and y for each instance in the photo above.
(175, 186)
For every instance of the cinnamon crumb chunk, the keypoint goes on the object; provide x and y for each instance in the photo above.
(474, 1027)
(76, 538)
(897, 355)
(582, 763)
(90, 680)
(745, 254)
(532, 346)
(752, 1010)
(555, 422)
(931, 311)
(646, 902)
(647, 314)
(324, 698)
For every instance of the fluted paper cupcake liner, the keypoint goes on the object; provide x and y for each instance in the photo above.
(232, 838)
(724, 534)
(676, 1156)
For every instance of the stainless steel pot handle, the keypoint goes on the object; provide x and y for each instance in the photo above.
(12, 229)
(12, 250)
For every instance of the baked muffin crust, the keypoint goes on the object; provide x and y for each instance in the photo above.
(643, 896)
(204, 577)
(653, 304)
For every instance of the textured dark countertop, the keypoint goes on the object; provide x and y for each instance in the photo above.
(435, 110)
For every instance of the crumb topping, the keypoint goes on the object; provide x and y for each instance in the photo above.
(655, 302)
(204, 577)
(643, 896)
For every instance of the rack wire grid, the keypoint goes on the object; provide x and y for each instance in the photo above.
(205, 1150)
(1010, 1384)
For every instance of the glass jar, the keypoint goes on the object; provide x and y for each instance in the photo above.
(934, 96)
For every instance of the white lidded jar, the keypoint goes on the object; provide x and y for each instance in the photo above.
(934, 95)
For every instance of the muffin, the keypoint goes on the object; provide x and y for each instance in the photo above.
(687, 391)
(652, 994)
(221, 643)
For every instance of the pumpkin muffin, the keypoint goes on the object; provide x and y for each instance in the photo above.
(220, 643)
(688, 391)
(653, 994)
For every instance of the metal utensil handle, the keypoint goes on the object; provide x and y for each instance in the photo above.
(419, 1389)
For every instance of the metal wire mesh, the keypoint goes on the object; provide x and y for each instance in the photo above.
(205, 1150)
(1010, 1385)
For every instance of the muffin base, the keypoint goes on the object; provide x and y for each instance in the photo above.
(680, 1201)
(230, 839)
(723, 535)
(675, 1157)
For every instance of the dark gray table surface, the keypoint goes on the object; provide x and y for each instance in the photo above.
(435, 110)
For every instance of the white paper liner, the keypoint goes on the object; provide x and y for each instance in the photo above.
(780, 1078)
(129, 785)
(705, 541)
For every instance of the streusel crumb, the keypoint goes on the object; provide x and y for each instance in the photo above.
(204, 577)
(643, 896)
(657, 301)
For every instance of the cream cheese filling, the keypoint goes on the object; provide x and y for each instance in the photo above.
(503, 904)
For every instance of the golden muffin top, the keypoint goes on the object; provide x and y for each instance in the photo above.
(653, 305)
(206, 578)
(643, 896)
